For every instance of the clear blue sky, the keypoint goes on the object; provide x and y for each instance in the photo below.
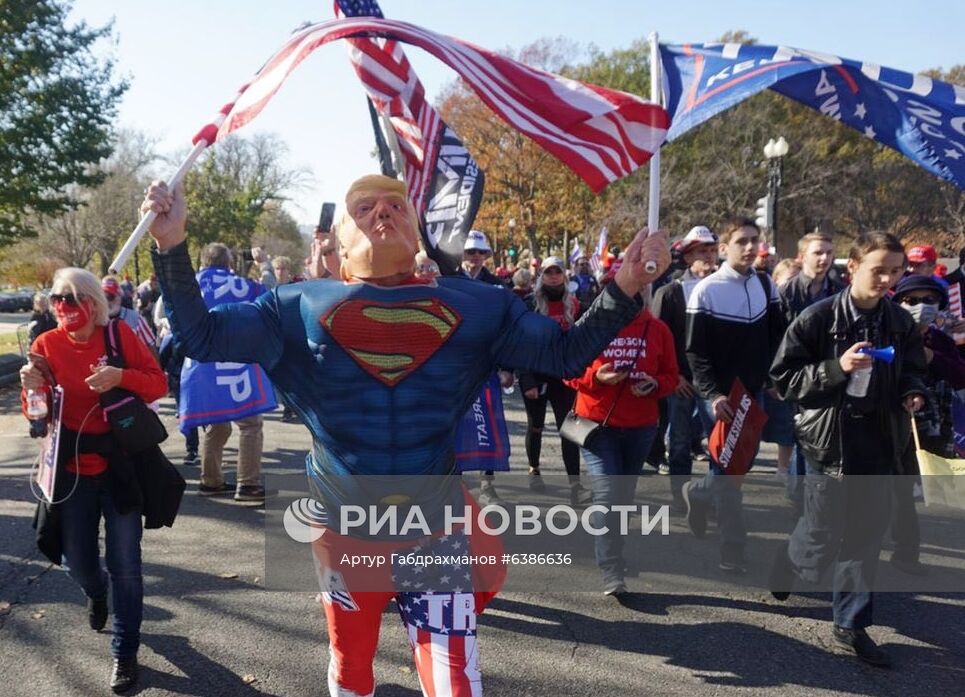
(186, 58)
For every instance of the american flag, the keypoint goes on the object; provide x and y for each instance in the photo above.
(396, 92)
(446, 578)
(599, 254)
(599, 133)
(439, 611)
(576, 253)
(441, 629)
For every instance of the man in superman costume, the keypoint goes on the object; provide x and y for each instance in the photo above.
(381, 367)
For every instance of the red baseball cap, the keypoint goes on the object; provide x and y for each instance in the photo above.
(922, 253)
(110, 286)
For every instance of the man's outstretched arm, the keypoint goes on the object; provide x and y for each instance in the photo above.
(534, 342)
(239, 332)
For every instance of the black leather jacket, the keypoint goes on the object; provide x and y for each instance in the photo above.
(806, 370)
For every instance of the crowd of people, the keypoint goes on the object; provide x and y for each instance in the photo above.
(650, 355)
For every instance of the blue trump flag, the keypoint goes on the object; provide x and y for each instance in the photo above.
(922, 118)
(215, 392)
(482, 439)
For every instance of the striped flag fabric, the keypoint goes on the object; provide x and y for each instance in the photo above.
(576, 253)
(599, 254)
(443, 181)
(599, 133)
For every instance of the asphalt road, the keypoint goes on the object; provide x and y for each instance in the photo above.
(9, 321)
(211, 628)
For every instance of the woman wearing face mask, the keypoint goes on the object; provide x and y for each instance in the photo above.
(74, 356)
(551, 297)
(925, 297)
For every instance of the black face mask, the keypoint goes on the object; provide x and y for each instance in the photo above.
(552, 293)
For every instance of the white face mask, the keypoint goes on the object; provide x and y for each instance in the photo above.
(923, 313)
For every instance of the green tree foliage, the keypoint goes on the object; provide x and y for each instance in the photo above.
(238, 180)
(57, 103)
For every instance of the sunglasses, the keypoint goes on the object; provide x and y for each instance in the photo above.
(67, 298)
(476, 251)
(928, 300)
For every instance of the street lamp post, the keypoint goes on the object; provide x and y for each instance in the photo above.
(774, 151)
(511, 224)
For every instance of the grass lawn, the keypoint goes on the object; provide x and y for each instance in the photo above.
(8, 343)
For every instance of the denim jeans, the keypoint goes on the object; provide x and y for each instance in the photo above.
(843, 526)
(614, 460)
(685, 423)
(723, 491)
(81, 515)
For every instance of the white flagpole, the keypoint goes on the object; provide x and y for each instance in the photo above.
(145, 222)
(653, 213)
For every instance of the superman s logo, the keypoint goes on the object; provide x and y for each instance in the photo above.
(390, 340)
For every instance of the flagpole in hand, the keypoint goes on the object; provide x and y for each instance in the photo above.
(145, 223)
(653, 205)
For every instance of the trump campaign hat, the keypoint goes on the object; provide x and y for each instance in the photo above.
(922, 253)
(549, 262)
(699, 234)
(110, 286)
(476, 239)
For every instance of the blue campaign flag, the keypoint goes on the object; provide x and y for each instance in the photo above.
(482, 439)
(922, 118)
(216, 392)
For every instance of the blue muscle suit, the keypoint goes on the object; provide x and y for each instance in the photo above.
(381, 375)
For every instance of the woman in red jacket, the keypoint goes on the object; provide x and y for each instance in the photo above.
(621, 388)
(74, 356)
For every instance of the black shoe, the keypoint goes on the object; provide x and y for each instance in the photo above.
(696, 513)
(780, 581)
(225, 488)
(124, 674)
(191, 459)
(579, 495)
(289, 417)
(858, 642)
(912, 567)
(536, 482)
(97, 613)
(700, 454)
(250, 492)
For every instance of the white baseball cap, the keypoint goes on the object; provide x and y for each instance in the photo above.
(476, 239)
(551, 261)
(699, 234)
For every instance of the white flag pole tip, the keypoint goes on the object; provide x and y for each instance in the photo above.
(142, 227)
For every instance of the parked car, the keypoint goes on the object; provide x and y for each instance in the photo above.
(25, 299)
(8, 302)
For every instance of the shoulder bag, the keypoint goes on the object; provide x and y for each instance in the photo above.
(134, 424)
(580, 429)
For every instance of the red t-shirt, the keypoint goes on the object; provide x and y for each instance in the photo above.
(70, 363)
(556, 310)
(655, 357)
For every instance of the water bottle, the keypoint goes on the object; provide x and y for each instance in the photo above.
(37, 413)
(859, 382)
